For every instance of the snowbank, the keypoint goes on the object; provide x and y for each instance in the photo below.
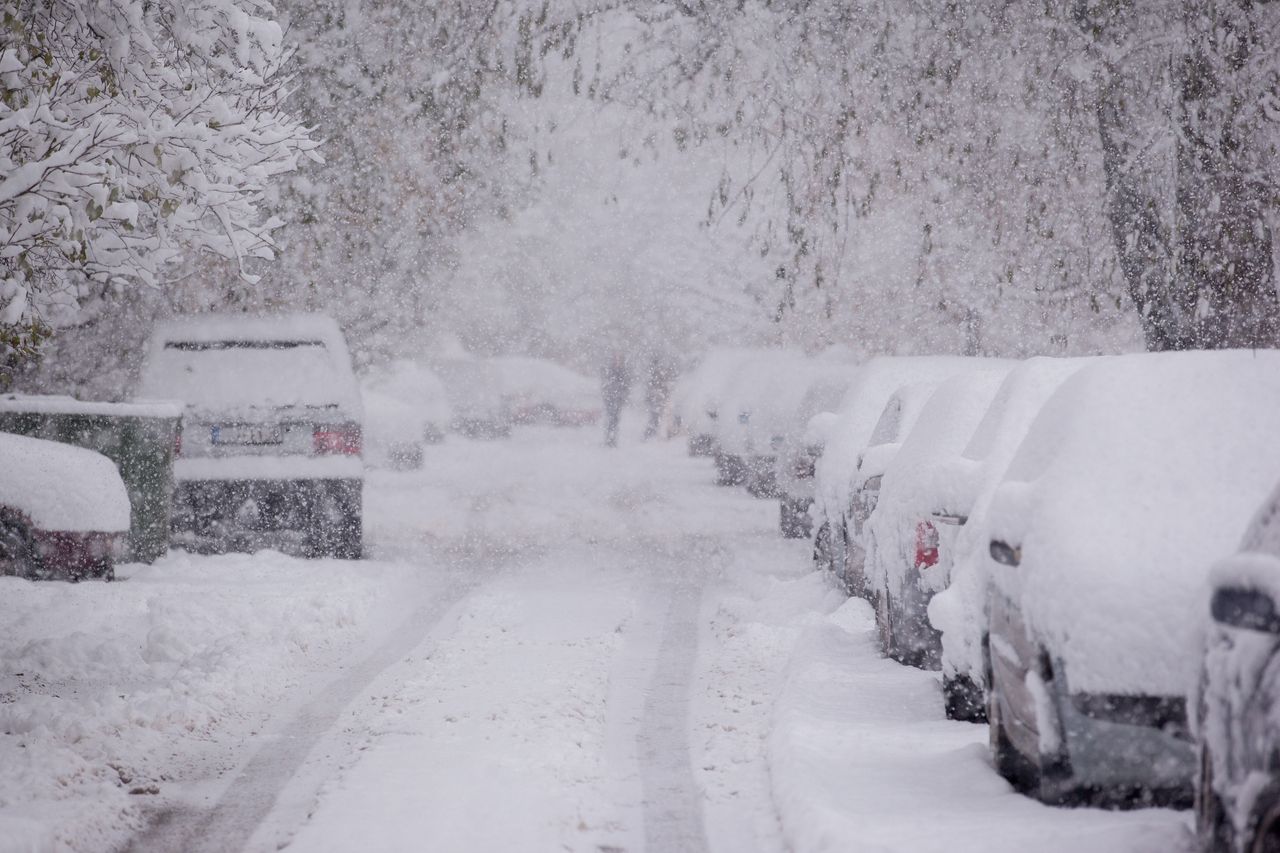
(61, 487)
(110, 690)
(862, 759)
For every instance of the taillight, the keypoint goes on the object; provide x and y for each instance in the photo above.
(926, 545)
(340, 440)
(177, 442)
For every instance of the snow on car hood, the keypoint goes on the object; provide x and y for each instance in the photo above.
(61, 487)
(1137, 475)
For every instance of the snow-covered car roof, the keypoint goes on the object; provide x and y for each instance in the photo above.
(56, 404)
(849, 435)
(702, 387)
(897, 419)
(60, 487)
(760, 401)
(219, 363)
(943, 428)
(1139, 472)
(410, 385)
(543, 381)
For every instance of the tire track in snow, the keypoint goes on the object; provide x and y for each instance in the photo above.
(672, 798)
(248, 799)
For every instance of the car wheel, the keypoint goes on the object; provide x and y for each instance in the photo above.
(793, 519)
(822, 548)
(1266, 825)
(1212, 825)
(884, 625)
(17, 550)
(963, 699)
(337, 528)
(1008, 762)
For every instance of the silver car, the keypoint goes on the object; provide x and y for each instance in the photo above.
(270, 449)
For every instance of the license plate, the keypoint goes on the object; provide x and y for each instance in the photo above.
(248, 434)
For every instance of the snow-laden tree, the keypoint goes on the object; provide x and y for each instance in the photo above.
(925, 176)
(133, 133)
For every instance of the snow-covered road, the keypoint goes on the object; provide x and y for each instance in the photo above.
(555, 646)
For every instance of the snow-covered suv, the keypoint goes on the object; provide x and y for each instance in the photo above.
(270, 452)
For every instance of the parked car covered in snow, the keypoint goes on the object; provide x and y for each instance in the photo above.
(538, 391)
(1237, 699)
(897, 419)
(474, 386)
(802, 444)
(845, 437)
(908, 527)
(405, 407)
(64, 511)
(698, 395)
(272, 432)
(1137, 474)
(754, 409)
(957, 492)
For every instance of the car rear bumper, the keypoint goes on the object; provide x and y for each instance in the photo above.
(220, 515)
(267, 468)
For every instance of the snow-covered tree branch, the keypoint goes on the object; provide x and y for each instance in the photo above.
(132, 133)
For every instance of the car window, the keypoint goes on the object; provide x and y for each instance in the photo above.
(886, 429)
(227, 373)
(1264, 534)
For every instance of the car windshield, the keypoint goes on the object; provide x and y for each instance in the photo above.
(213, 375)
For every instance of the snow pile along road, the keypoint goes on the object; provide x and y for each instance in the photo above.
(863, 759)
(109, 691)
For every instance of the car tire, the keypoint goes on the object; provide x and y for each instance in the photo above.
(337, 525)
(1214, 828)
(793, 519)
(17, 550)
(884, 626)
(1012, 766)
(822, 548)
(963, 700)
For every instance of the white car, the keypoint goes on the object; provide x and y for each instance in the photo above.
(475, 390)
(844, 435)
(272, 432)
(897, 419)
(1139, 472)
(957, 493)
(801, 446)
(761, 403)
(903, 543)
(405, 407)
(698, 394)
(538, 391)
(64, 511)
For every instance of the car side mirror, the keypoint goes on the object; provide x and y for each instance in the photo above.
(1005, 554)
(1242, 607)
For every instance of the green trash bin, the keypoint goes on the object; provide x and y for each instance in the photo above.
(139, 437)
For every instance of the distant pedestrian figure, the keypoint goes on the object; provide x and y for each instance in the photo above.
(657, 392)
(616, 388)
